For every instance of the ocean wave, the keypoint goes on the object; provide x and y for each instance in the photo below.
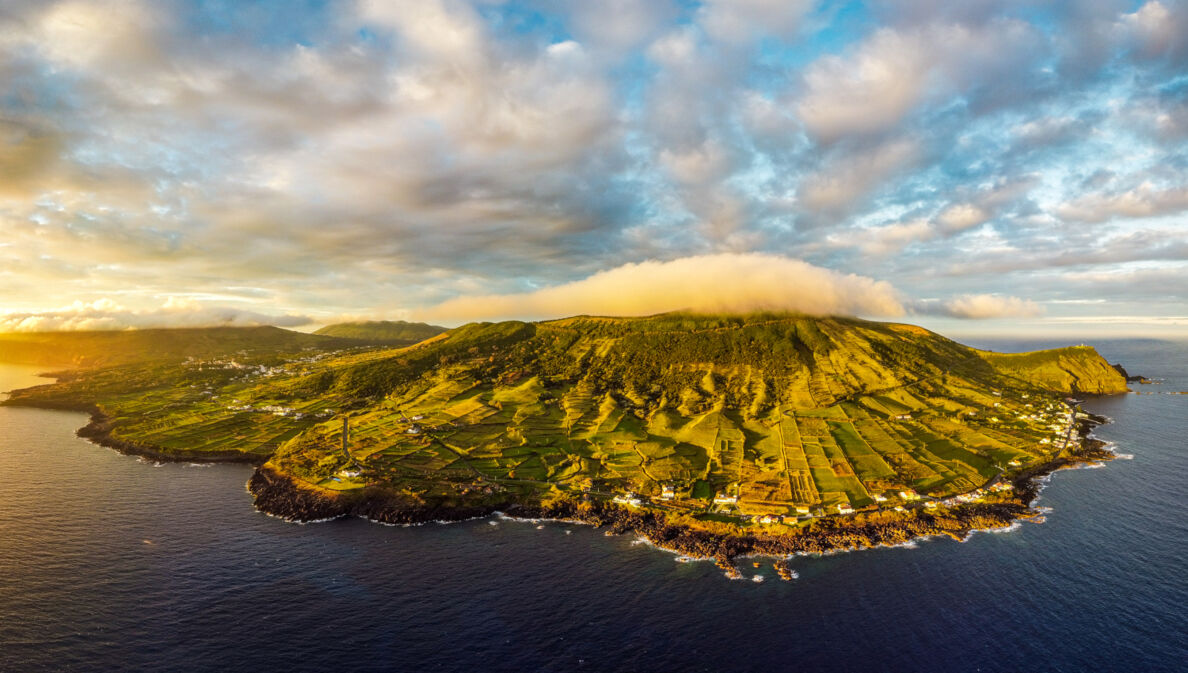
(1009, 528)
(295, 522)
(520, 519)
(1123, 456)
(440, 522)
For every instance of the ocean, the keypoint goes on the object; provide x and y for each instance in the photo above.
(114, 563)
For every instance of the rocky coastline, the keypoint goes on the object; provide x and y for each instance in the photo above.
(98, 430)
(283, 496)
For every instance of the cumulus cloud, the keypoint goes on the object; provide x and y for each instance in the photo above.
(107, 314)
(877, 84)
(740, 21)
(359, 156)
(841, 184)
(982, 307)
(620, 25)
(1146, 200)
(706, 283)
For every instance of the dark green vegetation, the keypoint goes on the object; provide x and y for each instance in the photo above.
(110, 348)
(777, 415)
(391, 332)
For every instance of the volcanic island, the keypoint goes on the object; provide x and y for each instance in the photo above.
(711, 436)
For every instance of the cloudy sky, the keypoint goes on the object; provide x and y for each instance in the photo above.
(978, 167)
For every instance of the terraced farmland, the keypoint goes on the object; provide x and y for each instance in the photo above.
(788, 413)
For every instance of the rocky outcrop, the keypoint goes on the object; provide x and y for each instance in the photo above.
(1130, 378)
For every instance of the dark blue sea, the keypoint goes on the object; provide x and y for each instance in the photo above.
(110, 563)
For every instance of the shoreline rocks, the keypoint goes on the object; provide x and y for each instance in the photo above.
(283, 496)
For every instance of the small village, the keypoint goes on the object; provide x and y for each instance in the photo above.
(1052, 419)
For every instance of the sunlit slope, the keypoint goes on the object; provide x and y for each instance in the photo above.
(1073, 369)
(395, 332)
(106, 348)
(673, 361)
(783, 411)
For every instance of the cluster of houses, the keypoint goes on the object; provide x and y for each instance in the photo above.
(283, 411)
(729, 498)
(630, 499)
(246, 370)
(414, 428)
(348, 473)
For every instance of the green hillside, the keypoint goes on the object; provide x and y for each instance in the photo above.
(788, 413)
(394, 332)
(109, 348)
(1072, 369)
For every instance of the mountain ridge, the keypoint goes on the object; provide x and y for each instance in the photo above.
(396, 332)
(95, 348)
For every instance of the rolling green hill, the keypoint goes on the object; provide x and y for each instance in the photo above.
(1073, 369)
(394, 332)
(787, 413)
(109, 348)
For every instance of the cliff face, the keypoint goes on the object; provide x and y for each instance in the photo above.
(1078, 369)
(292, 499)
(283, 496)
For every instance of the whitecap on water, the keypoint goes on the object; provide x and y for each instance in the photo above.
(1011, 527)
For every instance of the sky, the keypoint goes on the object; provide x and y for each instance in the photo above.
(976, 167)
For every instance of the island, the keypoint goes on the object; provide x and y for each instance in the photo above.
(711, 436)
